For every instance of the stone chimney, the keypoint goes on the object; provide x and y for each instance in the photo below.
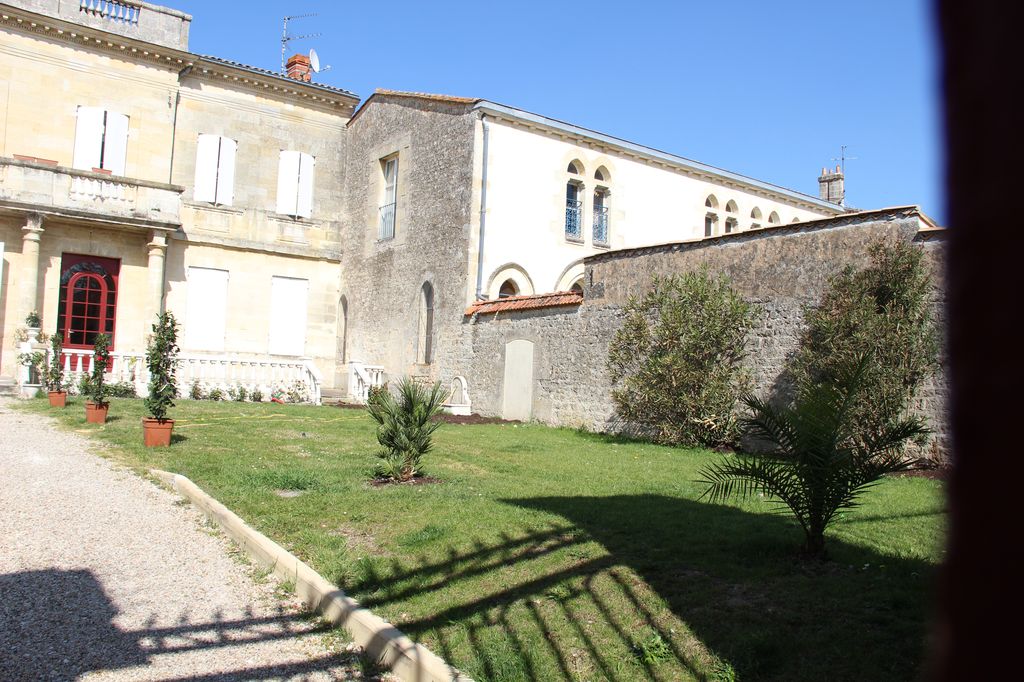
(298, 68)
(831, 187)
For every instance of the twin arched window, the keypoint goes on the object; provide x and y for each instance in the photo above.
(574, 210)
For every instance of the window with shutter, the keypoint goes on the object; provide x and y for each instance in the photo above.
(101, 140)
(206, 309)
(215, 169)
(289, 298)
(295, 176)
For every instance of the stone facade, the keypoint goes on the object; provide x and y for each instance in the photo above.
(382, 279)
(782, 270)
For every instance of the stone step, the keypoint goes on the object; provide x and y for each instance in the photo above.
(8, 386)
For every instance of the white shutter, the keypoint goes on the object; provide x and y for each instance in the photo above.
(304, 205)
(226, 172)
(207, 301)
(115, 143)
(206, 168)
(287, 182)
(289, 299)
(88, 138)
(391, 181)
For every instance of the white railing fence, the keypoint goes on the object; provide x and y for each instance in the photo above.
(296, 380)
(115, 10)
(361, 378)
(94, 189)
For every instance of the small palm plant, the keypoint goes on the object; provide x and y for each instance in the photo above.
(818, 464)
(405, 427)
(162, 362)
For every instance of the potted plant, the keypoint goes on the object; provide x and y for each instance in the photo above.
(96, 406)
(55, 374)
(34, 361)
(162, 362)
(34, 324)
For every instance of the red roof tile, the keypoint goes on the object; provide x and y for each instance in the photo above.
(552, 300)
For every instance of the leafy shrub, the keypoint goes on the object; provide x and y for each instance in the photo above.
(35, 362)
(33, 320)
(405, 427)
(238, 393)
(215, 394)
(122, 389)
(97, 388)
(821, 459)
(882, 311)
(162, 362)
(297, 393)
(196, 391)
(257, 395)
(675, 362)
(55, 371)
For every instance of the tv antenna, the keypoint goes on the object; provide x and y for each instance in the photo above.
(285, 38)
(842, 169)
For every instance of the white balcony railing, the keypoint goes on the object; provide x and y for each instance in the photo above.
(361, 378)
(92, 189)
(296, 377)
(114, 10)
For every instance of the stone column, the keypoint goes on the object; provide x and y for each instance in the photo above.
(29, 300)
(157, 248)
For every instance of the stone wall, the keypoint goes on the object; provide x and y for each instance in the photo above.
(782, 270)
(381, 280)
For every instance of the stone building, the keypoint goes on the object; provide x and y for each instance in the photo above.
(304, 238)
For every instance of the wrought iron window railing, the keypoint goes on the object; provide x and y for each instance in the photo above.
(573, 228)
(601, 225)
(386, 229)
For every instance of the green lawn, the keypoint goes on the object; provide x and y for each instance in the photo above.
(551, 554)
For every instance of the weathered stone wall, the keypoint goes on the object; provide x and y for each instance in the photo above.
(382, 279)
(781, 270)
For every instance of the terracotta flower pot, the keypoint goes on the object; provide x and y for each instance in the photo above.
(57, 398)
(96, 413)
(156, 434)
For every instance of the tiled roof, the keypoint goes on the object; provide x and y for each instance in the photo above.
(275, 74)
(552, 300)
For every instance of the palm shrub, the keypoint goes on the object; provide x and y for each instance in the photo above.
(405, 427)
(55, 370)
(162, 362)
(819, 458)
(885, 311)
(96, 388)
(675, 364)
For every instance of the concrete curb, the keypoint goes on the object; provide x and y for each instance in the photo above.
(382, 641)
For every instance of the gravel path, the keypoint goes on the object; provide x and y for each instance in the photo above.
(105, 576)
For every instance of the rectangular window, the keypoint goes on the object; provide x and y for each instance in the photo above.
(289, 299)
(295, 174)
(389, 202)
(101, 140)
(215, 169)
(207, 307)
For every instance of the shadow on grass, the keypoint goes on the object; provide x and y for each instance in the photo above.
(549, 604)
(178, 438)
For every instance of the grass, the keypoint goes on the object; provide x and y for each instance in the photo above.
(556, 554)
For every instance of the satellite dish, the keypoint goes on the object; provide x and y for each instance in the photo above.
(314, 61)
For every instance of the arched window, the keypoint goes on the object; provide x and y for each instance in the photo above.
(795, 220)
(755, 215)
(773, 219)
(602, 174)
(573, 211)
(508, 288)
(88, 299)
(711, 201)
(577, 286)
(574, 167)
(426, 325)
(600, 217)
(731, 207)
(343, 330)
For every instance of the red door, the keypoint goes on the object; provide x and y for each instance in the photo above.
(88, 300)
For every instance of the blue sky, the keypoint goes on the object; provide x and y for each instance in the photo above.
(766, 89)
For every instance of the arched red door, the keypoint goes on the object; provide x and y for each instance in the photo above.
(88, 300)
